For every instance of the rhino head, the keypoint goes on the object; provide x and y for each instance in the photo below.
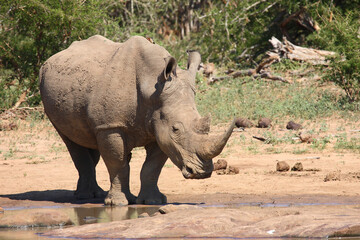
(179, 129)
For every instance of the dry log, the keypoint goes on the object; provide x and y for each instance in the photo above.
(288, 50)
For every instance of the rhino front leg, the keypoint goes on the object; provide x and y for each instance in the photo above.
(116, 157)
(149, 192)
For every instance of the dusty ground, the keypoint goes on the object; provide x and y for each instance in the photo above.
(36, 169)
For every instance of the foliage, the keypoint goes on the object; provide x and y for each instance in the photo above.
(31, 31)
(229, 33)
(341, 34)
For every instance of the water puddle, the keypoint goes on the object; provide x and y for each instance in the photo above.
(78, 215)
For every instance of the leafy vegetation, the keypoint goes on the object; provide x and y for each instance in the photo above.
(228, 33)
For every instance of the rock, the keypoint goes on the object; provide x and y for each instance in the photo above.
(244, 123)
(306, 137)
(332, 176)
(223, 223)
(172, 208)
(220, 164)
(264, 123)
(282, 166)
(36, 218)
(293, 126)
(233, 170)
(230, 170)
(347, 232)
(297, 167)
(144, 215)
(1, 210)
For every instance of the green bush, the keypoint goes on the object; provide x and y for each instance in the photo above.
(342, 35)
(32, 31)
(228, 33)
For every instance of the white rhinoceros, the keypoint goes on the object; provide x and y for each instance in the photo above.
(106, 98)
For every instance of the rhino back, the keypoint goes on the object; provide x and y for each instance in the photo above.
(97, 83)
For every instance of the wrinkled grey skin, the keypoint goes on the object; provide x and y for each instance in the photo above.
(105, 98)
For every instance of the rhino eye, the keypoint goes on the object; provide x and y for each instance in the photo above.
(175, 129)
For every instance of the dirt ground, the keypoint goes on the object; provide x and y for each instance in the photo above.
(36, 169)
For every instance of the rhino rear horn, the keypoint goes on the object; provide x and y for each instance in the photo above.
(203, 124)
(194, 61)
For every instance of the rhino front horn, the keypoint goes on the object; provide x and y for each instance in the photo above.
(212, 146)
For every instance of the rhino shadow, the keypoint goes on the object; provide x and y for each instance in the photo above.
(57, 196)
(67, 196)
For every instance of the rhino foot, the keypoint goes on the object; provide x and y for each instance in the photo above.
(151, 198)
(119, 199)
(97, 192)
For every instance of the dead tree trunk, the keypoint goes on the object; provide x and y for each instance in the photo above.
(288, 50)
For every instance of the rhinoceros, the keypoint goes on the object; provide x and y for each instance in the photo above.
(106, 98)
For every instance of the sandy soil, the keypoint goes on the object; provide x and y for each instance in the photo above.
(36, 169)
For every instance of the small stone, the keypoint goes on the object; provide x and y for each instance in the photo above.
(264, 123)
(332, 176)
(220, 164)
(233, 170)
(230, 170)
(144, 215)
(293, 126)
(306, 137)
(282, 166)
(243, 123)
(172, 208)
(297, 167)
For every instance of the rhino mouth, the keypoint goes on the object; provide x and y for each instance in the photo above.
(190, 173)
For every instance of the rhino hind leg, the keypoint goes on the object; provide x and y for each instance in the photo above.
(85, 161)
(149, 192)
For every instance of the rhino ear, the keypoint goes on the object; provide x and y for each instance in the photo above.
(170, 67)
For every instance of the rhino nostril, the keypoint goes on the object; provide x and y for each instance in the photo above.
(189, 170)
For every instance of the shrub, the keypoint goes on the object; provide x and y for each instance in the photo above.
(340, 33)
(32, 31)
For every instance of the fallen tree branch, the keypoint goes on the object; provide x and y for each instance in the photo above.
(22, 98)
(288, 50)
(268, 75)
(280, 50)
